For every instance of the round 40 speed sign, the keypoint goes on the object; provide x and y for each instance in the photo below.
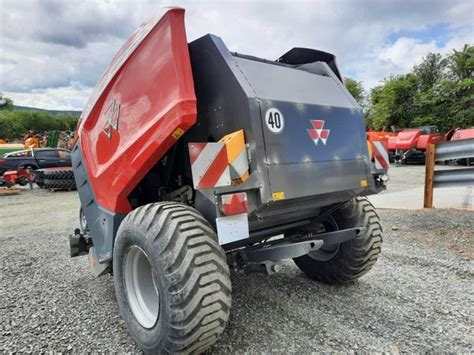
(274, 120)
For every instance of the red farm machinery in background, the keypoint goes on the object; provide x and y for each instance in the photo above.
(409, 145)
(21, 176)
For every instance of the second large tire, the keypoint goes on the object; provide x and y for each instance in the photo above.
(66, 184)
(350, 260)
(55, 173)
(187, 270)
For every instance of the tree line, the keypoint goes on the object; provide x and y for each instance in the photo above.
(15, 123)
(439, 91)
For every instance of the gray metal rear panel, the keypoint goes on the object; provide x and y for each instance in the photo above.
(235, 92)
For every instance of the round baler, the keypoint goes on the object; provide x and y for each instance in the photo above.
(191, 160)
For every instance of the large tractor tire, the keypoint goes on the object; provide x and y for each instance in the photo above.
(53, 174)
(66, 184)
(171, 279)
(350, 260)
(39, 181)
(39, 178)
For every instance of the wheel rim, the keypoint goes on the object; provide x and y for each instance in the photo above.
(329, 251)
(142, 293)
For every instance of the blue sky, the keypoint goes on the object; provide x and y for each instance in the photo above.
(440, 33)
(52, 52)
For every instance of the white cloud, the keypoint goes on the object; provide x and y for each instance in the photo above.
(64, 98)
(406, 52)
(49, 46)
(401, 56)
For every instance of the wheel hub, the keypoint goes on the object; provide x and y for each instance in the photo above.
(327, 252)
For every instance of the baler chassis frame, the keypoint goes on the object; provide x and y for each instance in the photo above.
(263, 256)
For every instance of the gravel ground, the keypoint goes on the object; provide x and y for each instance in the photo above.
(418, 297)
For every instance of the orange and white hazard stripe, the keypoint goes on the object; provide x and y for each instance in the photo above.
(209, 165)
(237, 156)
(380, 155)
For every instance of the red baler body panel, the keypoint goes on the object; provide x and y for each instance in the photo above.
(407, 139)
(412, 139)
(392, 143)
(426, 139)
(463, 134)
(143, 103)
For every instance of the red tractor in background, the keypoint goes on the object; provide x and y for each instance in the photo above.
(410, 143)
(21, 176)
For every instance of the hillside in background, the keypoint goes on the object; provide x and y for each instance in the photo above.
(15, 121)
(51, 112)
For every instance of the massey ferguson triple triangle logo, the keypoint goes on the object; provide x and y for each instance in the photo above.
(318, 132)
(112, 114)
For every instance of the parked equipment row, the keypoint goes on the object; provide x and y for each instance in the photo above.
(409, 145)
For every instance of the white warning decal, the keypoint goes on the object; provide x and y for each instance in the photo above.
(274, 120)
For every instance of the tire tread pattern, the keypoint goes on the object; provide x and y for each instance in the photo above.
(356, 257)
(196, 271)
(69, 184)
(55, 174)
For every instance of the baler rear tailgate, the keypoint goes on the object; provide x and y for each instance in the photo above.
(305, 133)
(318, 150)
(313, 133)
(299, 180)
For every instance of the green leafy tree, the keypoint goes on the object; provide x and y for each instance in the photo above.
(374, 99)
(439, 91)
(6, 103)
(449, 102)
(454, 104)
(461, 64)
(356, 89)
(14, 123)
(430, 71)
(393, 102)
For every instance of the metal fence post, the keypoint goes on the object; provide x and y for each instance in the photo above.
(429, 174)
